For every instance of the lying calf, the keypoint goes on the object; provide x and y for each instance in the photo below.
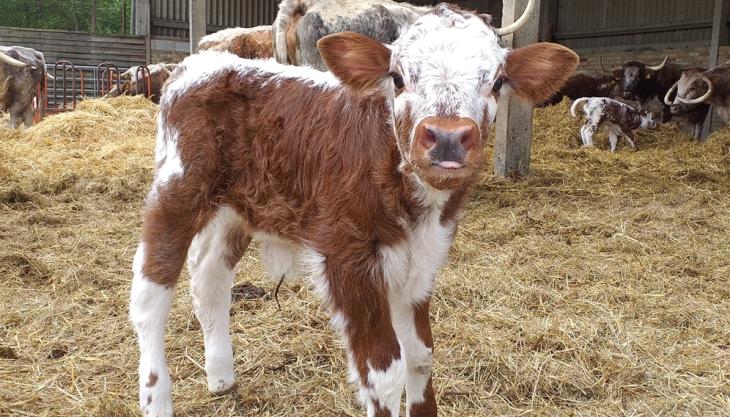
(249, 43)
(618, 118)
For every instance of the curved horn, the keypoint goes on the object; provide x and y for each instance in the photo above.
(11, 61)
(660, 66)
(700, 99)
(669, 93)
(513, 27)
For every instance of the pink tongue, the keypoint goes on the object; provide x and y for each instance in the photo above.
(450, 164)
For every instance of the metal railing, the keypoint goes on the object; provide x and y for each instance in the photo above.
(73, 83)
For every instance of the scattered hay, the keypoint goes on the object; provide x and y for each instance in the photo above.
(597, 286)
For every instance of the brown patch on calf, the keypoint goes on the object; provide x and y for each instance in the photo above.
(151, 380)
(237, 242)
(454, 204)
(257, 45)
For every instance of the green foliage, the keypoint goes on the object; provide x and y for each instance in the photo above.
(65, 14)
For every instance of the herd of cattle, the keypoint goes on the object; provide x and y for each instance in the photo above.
(687, 93)
(292, 38)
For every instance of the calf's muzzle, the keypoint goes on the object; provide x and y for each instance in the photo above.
(447, 142)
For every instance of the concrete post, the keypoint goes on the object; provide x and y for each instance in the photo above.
(514, 119)
(197, 23)
(719, 37)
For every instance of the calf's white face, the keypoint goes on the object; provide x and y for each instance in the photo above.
(449, 62)
(445, 75)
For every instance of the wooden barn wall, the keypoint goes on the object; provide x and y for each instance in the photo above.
(170, 17)
(616, 24)
(77, 47)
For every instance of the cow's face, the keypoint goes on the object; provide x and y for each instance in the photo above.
(444, 76)
(629, 76)
(690, 86)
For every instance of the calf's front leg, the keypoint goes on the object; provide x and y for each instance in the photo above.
(413, 328)
(360, 309)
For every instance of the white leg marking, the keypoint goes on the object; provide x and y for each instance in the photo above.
(385, 388)
(211, 280)
(613, 139)
(148, 309)
(418, 356)
(589, 135)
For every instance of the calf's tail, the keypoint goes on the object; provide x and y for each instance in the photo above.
(577, 103)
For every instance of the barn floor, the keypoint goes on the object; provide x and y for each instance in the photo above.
(598, 286)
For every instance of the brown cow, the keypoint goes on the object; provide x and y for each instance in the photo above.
(250, 43)
(703, 87)
(583, 85)
(643, 82)
(358, 182)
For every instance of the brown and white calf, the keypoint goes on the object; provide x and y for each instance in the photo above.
(250, 43)
(618, 118)
(355, 179)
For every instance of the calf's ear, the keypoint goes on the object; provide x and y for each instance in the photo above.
(537, 71)
(357, 60)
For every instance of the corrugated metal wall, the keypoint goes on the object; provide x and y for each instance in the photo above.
(492, 7)
(581, 24)
(170, 17)
(619, 23)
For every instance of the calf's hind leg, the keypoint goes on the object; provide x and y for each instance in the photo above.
(587, 132)
(212, 258)
(170, 222)
(629, 138)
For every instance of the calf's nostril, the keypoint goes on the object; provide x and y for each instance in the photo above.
(467, 140)
(428, 139)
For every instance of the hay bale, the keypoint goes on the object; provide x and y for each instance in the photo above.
(596, 286)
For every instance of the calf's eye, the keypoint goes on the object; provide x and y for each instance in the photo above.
(497, 85)
(398, 81)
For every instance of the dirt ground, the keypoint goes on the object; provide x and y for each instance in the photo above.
(597, 286)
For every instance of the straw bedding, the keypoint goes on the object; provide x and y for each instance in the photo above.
(596, 286)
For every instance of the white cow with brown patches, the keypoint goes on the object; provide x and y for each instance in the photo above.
(355, 179)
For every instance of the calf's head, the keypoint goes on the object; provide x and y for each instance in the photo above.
(693, 88)
(647, 120)
(443, 78)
